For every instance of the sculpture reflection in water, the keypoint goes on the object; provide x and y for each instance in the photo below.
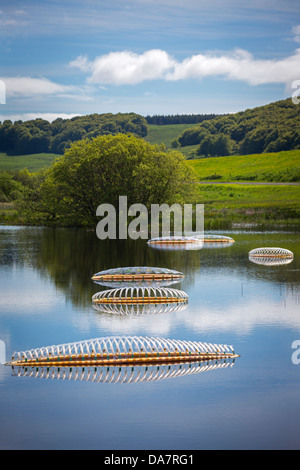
(122, 359)
(121, 374)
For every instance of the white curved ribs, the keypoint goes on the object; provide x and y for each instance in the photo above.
(122, 350)
(271, 252)
(124, 374)
(140, 295)
(137, 273)
(139, 309)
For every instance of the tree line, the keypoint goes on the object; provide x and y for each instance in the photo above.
(270, 128)
(41, 136)
(163, 120)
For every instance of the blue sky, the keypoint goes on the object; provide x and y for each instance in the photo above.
(146, 56)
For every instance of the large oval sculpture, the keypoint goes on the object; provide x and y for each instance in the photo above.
(271, 256)
(120, 351)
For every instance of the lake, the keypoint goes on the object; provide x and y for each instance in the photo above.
(46, 292)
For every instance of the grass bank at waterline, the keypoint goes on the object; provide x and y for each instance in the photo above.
(229, 206)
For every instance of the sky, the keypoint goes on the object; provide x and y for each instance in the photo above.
(71, 57)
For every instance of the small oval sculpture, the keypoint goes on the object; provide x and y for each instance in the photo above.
(140, 295)
(271, 252)
(137, 274)
(217, 239)
(271, 256)
(176, 243)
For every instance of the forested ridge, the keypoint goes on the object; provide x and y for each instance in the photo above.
(164, 120)
(271, 128)
(39, 135)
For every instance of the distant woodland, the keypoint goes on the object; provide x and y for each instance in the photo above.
(271, 128)
(40, 136)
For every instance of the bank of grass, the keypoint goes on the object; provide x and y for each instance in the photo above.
(9, 214)
(271, 167)
(32, 162)
(230, 205)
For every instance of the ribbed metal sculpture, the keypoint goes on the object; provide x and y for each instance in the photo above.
(176, 243)
(271, 252)
(213, 238)
(137, 274)
(122, 350)
(121, 374)
(217, 241)
(140, 295)
(271, 256)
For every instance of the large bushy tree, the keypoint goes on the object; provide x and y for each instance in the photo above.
(97, 171)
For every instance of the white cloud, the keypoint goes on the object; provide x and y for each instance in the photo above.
(239, 65)
(30, 87)
(296, 32)
(29, 116)
(128, 68)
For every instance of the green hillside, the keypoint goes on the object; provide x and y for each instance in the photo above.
(271, 128)
(281, 167)
(165, 134)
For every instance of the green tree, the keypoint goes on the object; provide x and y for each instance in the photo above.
(97, 171)
(10, 189)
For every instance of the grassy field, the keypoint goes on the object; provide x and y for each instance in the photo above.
(232, 205)
(32, 162)
(280, 167)
(165, 134)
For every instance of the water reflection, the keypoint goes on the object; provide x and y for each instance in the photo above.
(123, 374)
(219, 282)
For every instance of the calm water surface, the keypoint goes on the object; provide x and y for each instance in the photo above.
(46, 291)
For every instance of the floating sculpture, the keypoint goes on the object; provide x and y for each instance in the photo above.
(271, 252)
(122, 351)
(212, 238)
(271, 256)
(124, 374)
(137, 274)
(140, 295)
(176, 243)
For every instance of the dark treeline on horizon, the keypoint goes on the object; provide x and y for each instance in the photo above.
(162, 120)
